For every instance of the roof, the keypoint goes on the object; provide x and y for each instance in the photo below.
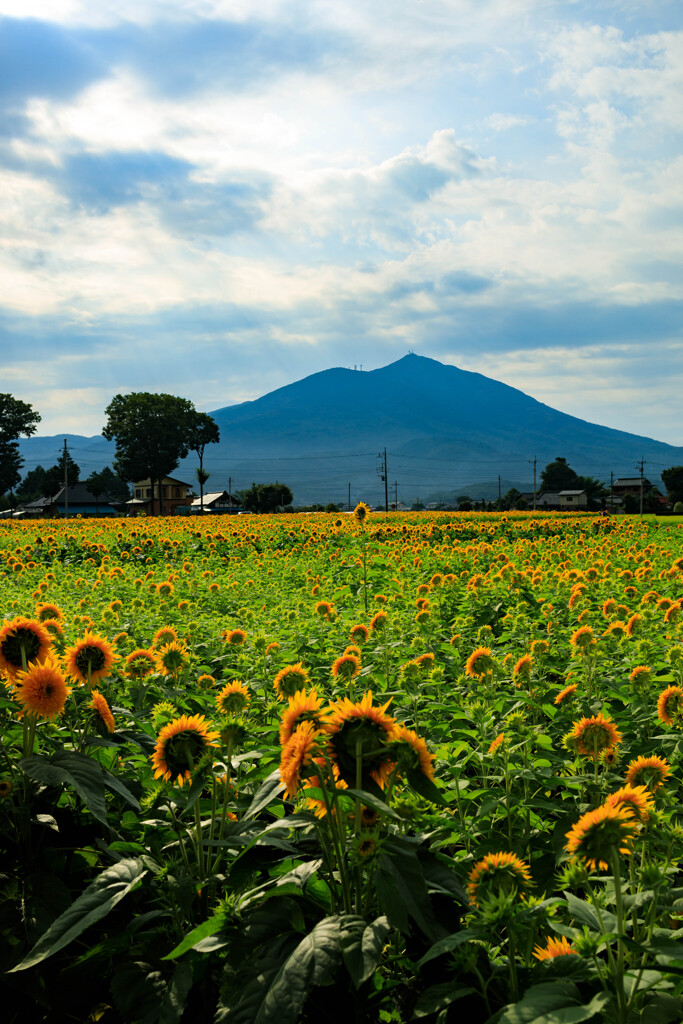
(165, 480)
(630, 481)
(566, 493)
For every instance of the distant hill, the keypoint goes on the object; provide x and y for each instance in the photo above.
(444, 429)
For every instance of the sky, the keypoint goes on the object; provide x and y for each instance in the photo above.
(215, 198)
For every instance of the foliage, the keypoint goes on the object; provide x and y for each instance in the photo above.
(151, 432)
(108, 483)
(54, 476)
(17, 419)
(367, 890)
(673, 481)
(265, 497)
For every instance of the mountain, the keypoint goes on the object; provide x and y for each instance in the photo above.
(443, 428)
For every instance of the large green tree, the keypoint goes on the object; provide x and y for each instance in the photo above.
(202, 430)
(17, 419)
(151, 434)
(266, 497)
(54, 476)
(109, 484)
(559, 476)
(673, 481)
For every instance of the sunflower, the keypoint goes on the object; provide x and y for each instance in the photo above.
(324, 609)
(6, 788)
(290, 679)
(600, 832)
(42, 689)
(234, 637)
(378, 622)
(297, 755)
(353, 649)
(346, 667)
(582, 639)
(90, 659)
(359, 634)
(670, 705)
(568, 691)
(553, 948)
(360, 729)
(497, 743)
(479, 662)
(640, 677)
(410, 752)
(233, 698)
(99, 704)
(172, 658)
(22, 641)
(180, 745)
(140, 663)
(648, 771)
(522, 670)
(592, 735)
(498, 873)
(164, 635)
(361, 512)
(637, 798)
(272, 649)
(49, 611)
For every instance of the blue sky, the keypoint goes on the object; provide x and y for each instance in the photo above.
(214, 198)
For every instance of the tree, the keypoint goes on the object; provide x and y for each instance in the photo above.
(559, 476)
(151, 434)
(673, 481)
(17, 419)
(32, 486)
(54, 476)
(108, 483)
(202, 430)
(265, 497)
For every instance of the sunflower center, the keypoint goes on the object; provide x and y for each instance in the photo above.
(24, 641)
(90, 657)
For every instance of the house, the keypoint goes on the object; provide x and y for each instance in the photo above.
(215, 501)
(557, 501)
(174, 494)
(631, 485)
(76, 500)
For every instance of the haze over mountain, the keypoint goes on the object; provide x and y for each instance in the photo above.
(444, 429)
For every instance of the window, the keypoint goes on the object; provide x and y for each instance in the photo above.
(176, 492)
(569, 497)
(148, 492)
(138, 492)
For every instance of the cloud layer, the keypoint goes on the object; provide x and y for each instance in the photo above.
(214, 198)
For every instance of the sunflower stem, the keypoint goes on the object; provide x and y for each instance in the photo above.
(621, 924)
(199, 840)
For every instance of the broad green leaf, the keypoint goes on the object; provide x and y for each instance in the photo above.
(438, 997)
(556, 1002)
(402, 889)
(271, 788)
(175, 996)
(585, 913)
(99, 898)
(68, 768)
(448, 944)
(362, 945)
(202, 931)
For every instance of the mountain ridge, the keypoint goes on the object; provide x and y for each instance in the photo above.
(442, 427)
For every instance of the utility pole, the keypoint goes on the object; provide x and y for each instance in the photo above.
(395, 495)
(66, 481)
(348, 505)
(611, 493)
(639, 465)
(382, 474)
(500, 499)
(534, 462)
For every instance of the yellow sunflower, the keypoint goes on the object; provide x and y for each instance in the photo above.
(346, 667)
(99, 704)
(637, 798)
(301, 707)
(648, 771)
(290, 679)
(297, 755)
(233, 698)
(360, 729)
(140, 663)
(601, 831)
(553, 948)
(410, 752)
(670, 705)
(22, 642)
(479, 662)
(593, 735)
(498, 873)
(42, 689)
(180, 746)
(90, 659)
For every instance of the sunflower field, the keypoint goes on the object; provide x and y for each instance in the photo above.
(360, 768)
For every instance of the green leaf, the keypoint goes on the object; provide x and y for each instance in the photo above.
(448, 944)
(362, 945)
(271, 788)
(402, 889)
(175, 996)
(585, 913)
(438, 997)
(202, 931)
(375, 802)
(99, 898)
(83, 774)
(557, 1002)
